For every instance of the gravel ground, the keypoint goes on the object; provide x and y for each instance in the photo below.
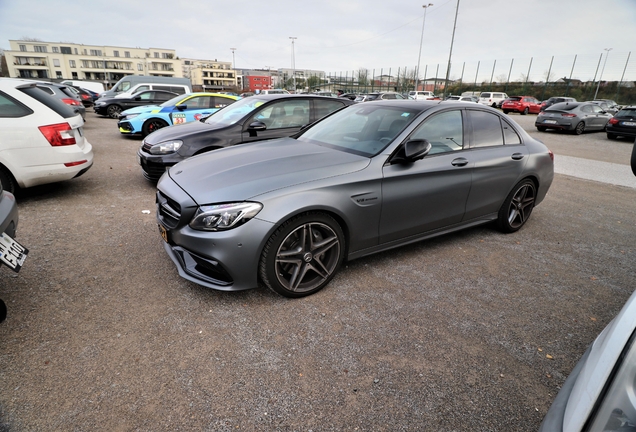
(474, 331)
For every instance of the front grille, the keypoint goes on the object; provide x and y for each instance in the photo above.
(169, 210)
(125, 126)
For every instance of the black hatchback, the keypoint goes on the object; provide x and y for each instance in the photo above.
(256, 118)
(622, 124)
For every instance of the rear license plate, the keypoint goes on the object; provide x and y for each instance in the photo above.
(550, 121)
(163, 232)
(628, 123)
(12, 253)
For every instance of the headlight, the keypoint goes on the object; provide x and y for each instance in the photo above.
(166, 147)
(221, 217)
(125, 116)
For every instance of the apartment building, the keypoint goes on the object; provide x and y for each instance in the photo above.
(108, 64)
(210, 75)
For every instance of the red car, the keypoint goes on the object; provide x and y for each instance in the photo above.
(521, 104)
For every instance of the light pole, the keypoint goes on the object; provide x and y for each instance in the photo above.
(419, 56)
(293, 62)
(603, 69)
(450, 54)
(233, 61)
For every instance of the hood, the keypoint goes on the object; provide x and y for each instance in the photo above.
(181, 131)
(246, 171)
(141, 109)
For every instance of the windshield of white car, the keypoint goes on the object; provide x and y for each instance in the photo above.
(235, 111)
(363, 129)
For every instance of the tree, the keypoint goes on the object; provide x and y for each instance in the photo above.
(363, 76)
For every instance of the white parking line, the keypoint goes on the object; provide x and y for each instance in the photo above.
(605, 172)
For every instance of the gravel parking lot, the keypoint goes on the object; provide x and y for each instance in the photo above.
(474, 331)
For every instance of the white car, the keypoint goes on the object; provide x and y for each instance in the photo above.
(421, 95)
(493, 99)
(41, 138)
(599, 394)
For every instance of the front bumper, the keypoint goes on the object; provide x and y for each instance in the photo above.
(126, 127)
(153, 166)
(221, 260)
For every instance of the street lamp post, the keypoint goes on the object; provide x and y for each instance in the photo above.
(450, 54)
(417, 71)
(293, 62)
(233, 61)
(603, 69)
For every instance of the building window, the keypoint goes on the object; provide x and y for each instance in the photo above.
(56, 62)
(71, 63)
(127, 54)
(140, 67)
(156, 55)
(75, 51)
(66, 50)
(22, 48)
(58, 74)
(55, 49)
(96, 53)
(39, 48)
(74, 75)
(116, 53)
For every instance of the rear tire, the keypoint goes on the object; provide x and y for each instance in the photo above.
(611, 136)
(506, 111)
(525, 111)
(580, 128)
(517, 207)
(8, 182)
(541, 128)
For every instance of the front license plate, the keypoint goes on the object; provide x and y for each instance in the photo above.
(550, 121)
(163, 232)
(12, 253)
(629, 123)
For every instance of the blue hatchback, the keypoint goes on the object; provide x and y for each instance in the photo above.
(180, 109)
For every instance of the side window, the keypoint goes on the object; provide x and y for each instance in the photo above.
(198, 102)
(142, 88)
(596, 108)
(284, 114)
(163, 96)
(160, 87)
(445, 132)
(324, 107)
(586, 109)
(219, 102)
(487, 130)
(147, 95)
(46, 90)
(9, 107)
(510, 135)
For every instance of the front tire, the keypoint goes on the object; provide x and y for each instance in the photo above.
(525, 111)
(517, 207)
(113, 111)
(303, 255)
(152, 125)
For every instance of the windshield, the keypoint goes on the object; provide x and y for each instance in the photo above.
(365, 130)
(235, 112)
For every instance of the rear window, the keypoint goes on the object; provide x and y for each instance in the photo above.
(55, 104)
(10, 107)
(485, 95)
(514, 98)
(562, 107)
(626, 112)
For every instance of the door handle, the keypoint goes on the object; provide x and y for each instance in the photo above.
(517, 156)
(459, 162)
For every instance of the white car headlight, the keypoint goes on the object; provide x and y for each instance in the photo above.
(166, 147)
(221, 217)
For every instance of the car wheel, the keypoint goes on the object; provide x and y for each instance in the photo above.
(611, 136)
(113, 111)
(8, 182)
(633, 161)
(517, 207)
(541, 128)
(152, 125)
(525, 111)
(494, 105)
(506, 111)
(302, 256)
(580, 128)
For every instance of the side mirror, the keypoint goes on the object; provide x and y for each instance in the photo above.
(257, 126)
(138, 98)
(182, 107)
(411, 151)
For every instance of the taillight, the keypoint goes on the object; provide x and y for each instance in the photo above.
(568, 115)
(69, 101)
(551, 155)
(70, 164)
(59, 134)
(613, 121)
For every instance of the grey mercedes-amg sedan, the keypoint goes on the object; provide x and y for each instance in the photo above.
(367, 178)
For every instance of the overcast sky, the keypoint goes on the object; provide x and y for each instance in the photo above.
(341, 36)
